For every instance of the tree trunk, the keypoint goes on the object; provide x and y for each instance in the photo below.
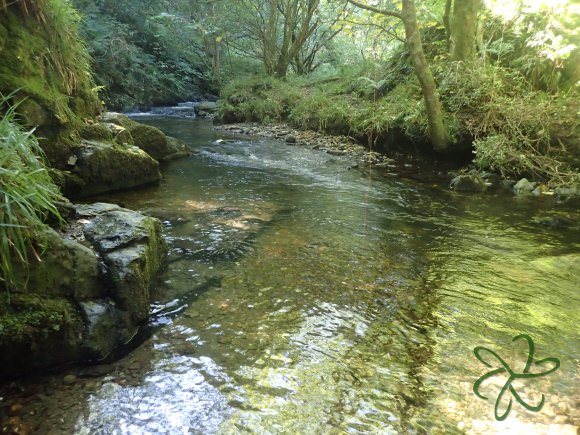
(447, 23)
(463, 27)
(437, 129)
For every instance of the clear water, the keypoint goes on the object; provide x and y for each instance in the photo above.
(303, 297)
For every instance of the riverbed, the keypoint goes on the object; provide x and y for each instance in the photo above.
(306, 294)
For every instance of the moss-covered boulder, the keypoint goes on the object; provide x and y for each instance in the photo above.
(37, 331)
(88, 296)
(205, 109)
(150, 139)
(68, 269)
(98, 167)
(133, 252)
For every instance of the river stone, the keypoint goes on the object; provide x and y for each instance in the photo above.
(68, 269)
(92, 210)
(567, 191)
(119, 133)
(134, 251)
(54, 339)
(524, 187)
(69, 379)
(97, 131)
(469, 183)
(107, 328)
(99, 338)
(150, 139)
(205, 109)
(105, 167)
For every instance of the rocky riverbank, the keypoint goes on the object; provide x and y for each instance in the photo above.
(467, 180)
(333, 145)
(88, 292)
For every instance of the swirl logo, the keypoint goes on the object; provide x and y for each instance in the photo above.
(505, 368)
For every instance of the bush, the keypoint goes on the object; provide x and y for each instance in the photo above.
(257, 99)
(27, 196)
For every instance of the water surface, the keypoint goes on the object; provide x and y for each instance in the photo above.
(304, 297)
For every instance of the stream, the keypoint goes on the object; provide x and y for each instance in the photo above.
(302, 296)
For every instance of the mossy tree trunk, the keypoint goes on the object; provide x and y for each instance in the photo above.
(463, 26)
(437, 129)
(447, 22)
(438, 132)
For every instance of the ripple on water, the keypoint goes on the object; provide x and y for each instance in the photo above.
(316, 299)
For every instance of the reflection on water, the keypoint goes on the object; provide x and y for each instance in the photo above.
(303, 297)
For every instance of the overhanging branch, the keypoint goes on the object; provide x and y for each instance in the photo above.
(375, 9)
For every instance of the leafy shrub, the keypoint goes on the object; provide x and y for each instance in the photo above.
(319, 111)
(257, 98)
(27, 196)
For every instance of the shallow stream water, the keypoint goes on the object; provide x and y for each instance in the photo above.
(302, 296)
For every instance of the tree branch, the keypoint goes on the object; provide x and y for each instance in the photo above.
(375, 9)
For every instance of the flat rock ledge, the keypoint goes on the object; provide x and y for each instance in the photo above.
(88, 296)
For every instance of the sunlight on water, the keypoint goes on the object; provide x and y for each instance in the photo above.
(303, 297)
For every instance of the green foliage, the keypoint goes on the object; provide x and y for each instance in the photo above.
(258, 98)
(540, 42)
(46, 60)
(508, 120)
(145, 53)
(318, 110)
(509, 123)
(27, 195)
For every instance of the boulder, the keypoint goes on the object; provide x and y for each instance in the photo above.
(205, 109)
(150, 139)
(79, 303)
(36, 332)
(469, 183)
(107, 328)
(95, 131)
(133, 251)
(570, 191)
(67, 269)
(524, 187)
(100, 167)
(120, 134)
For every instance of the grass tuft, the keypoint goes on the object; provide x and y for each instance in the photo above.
(27, 196)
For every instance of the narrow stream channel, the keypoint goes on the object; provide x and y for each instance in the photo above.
(305, 297)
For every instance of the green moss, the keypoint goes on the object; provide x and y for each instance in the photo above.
(32, 317)
(95, 132)
(44, 60)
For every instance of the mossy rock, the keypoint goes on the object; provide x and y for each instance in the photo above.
(67, 269)
(134, 251)
(106, 167)
(37, 332)
(150, 139)
(46, 62)
(95, 132)
(33, 114)
(102, 317)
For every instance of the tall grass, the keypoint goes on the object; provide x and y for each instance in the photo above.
(27, 197)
